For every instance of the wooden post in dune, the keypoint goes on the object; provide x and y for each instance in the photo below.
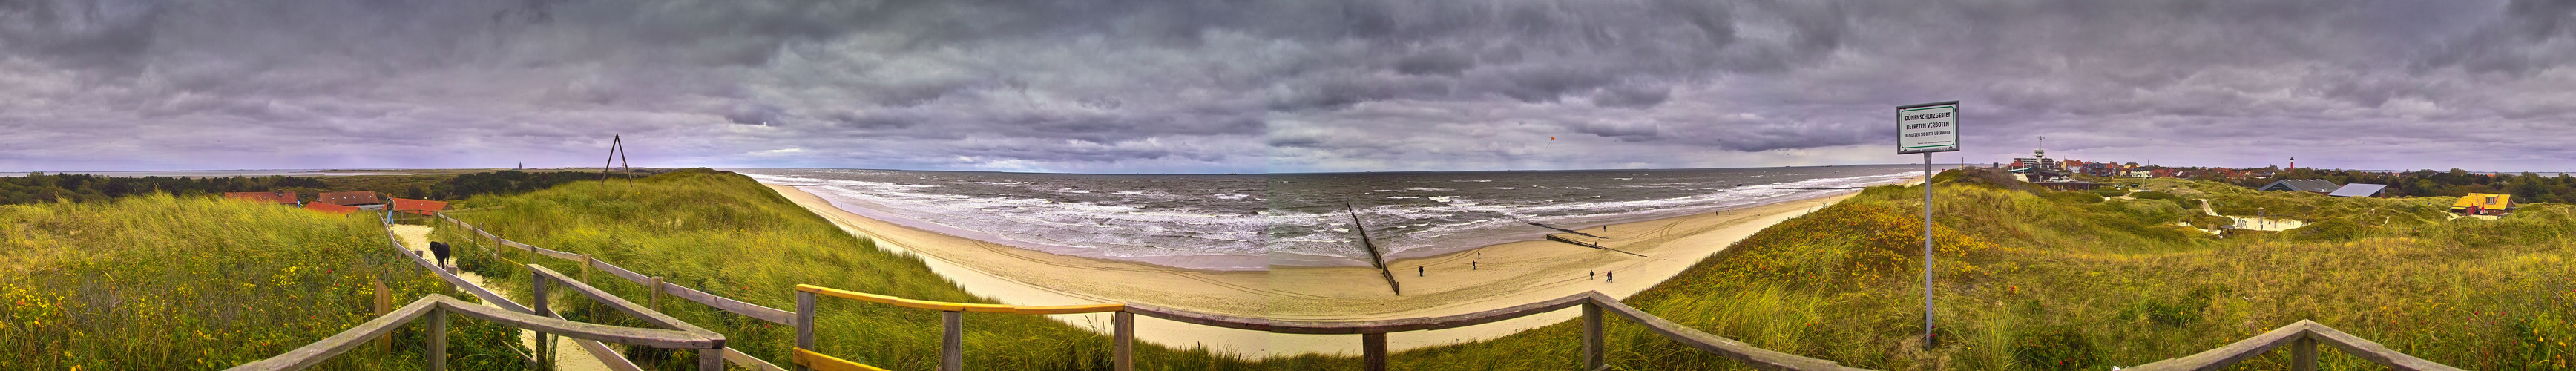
(804, 324)
(384, 305)
(1124, 358)
(1592, 336)
(585, 268)
(1373, 351)
(952, 344)
(437, 352)
(2303, 353)
(537, 306)
(657, 293)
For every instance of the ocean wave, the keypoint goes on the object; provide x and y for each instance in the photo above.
(1180, 216)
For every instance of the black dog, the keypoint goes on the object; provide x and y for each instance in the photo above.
(439, 249)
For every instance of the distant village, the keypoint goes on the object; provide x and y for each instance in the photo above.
(342, 202)
(2479, 194)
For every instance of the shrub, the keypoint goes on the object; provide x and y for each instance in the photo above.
(2073, 197)
(2055, 349)
(2331, 230)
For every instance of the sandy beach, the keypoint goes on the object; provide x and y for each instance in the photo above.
(1467, 281)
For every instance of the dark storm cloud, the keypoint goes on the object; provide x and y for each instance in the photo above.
(1271, 85)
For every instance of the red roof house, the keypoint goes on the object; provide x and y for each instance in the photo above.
(352, 198)
(420, 207)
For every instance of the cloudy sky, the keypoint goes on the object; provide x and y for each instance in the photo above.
(1276, 85)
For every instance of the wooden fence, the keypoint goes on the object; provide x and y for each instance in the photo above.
(2302, 336)
(435, 309)
(655, 286)
(598, 350)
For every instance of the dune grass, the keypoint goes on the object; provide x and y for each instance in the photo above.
(725, 234)
(2033, 279)
(157, 282)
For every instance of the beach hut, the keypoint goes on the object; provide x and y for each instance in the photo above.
(330, 208)
(279, 197)
(2359, 190)
(359, 199)
(2484, 204)
(2317, 186)
(418, 207)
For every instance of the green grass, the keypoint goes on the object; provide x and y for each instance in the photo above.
(163, 282)
(2031, 279)
(725, 234)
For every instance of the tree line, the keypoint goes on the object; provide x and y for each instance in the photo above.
(43, 188)
(2525, 187)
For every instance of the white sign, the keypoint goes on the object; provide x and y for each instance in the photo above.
(1929, 127)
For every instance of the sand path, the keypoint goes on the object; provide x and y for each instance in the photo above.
(567, 355)
(2254, 223)
(1469, 281)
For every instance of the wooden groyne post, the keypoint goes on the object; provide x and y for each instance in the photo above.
(1590, 245)
(1375, 259)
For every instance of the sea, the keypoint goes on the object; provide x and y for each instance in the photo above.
(1253, 222)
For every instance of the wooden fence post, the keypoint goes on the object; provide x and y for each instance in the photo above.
(537, 305)
(711, 359)
(657, 293)
(585, 268)
(437, 340)
(1125, 358)
(1592, 346)
(952, 346)
(384, 305)
(1373, 351)
(804, 324)
(2303, 353)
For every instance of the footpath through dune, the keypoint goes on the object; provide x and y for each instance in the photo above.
(416, 239)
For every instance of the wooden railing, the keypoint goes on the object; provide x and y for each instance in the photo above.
(711, 358)
(436, 308)
(952, 348)
(2302, 336)
(655, 286)
(597, 350)
(1372, 333)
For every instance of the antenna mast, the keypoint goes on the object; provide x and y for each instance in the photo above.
(616, 158)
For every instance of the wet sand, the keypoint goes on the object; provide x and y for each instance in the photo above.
(1467, 281)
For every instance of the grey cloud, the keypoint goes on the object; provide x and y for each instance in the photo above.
(1255, 85)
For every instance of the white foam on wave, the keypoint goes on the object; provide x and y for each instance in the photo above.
(1122, 227)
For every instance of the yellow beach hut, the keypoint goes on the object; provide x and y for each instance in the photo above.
(2483, 204)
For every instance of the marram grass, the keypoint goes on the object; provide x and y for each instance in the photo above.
(157, 282)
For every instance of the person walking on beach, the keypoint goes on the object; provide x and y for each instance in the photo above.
(1417, 271)
(1591, 274)
(1471, 265)
(1613, 276)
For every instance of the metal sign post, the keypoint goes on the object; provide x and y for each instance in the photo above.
(1927, 128)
